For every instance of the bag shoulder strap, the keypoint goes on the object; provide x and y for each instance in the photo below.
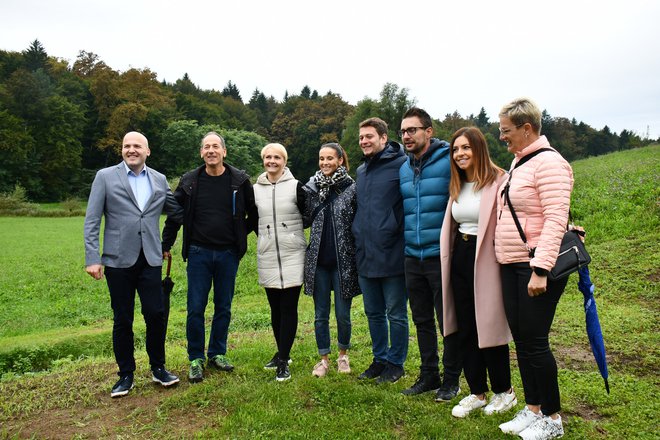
(507, 200)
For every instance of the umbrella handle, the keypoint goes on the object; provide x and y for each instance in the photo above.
(169, 264)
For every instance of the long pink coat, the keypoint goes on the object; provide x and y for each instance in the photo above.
(492, 327)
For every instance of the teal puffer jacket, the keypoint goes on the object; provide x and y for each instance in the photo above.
(424, 185)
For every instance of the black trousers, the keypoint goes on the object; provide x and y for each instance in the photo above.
(424, 286)
(284, 317)
(530, 319)
(122, 284)
(478, 363)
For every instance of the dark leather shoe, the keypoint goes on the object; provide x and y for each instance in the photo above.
(425, 382)
(391, 374)
(375, 369)
(123, 386)
(164, 377)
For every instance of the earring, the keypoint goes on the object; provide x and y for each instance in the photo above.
(526, 134)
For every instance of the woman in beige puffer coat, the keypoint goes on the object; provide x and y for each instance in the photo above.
(280, 250)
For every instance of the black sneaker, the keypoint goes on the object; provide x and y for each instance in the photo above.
(375, 369)
(221, 362)
(272, 364)
(424, 383)
(283, 372)
(447, 392)
(164, 377)
(123, 386)
(391, 374)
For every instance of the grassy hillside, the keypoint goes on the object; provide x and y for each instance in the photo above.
(57, 365)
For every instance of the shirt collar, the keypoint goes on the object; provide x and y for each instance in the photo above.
(131, 173)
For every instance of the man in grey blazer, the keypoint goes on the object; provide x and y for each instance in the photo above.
(132, 198)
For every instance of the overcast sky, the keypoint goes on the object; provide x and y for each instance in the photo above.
(596, 61)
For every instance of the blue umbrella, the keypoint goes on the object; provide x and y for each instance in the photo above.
(593, 325)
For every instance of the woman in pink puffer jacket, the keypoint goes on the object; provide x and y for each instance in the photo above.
(540, 193)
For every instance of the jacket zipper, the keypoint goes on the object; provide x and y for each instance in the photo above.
(277, 243)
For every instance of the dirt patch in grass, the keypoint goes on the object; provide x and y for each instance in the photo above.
(126, 417)
(576, 358)
(654, 276)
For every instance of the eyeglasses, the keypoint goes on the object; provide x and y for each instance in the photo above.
(508, 130)
(410, 130)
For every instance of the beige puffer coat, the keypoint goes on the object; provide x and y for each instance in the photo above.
(540, 193)
(281, 242)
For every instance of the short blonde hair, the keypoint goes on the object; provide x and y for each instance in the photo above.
(277, 147)
(521, 111)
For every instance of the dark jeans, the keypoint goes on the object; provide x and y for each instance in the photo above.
(206, 266)
(385, 306)
(424, 286)
(122, 284)
(478, 363)
(530, 319)
(284, 317)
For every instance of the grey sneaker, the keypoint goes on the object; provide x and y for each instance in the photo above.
(196, 372)
(221, 362)
(543, 428)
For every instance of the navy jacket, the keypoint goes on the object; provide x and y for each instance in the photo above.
(378, 223)
(425, 191)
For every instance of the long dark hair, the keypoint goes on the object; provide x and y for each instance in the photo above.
(485, 171)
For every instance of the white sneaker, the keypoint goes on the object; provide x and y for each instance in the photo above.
(467, 405)
(523, 418)
(501, 402)
(343, 365)
(320, 369)
(544, 428)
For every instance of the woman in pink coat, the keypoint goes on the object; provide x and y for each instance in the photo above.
(471, 293)
(540, 193)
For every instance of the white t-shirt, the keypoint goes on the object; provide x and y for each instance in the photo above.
(465, 209)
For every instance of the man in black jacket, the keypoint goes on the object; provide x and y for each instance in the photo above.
(379, 243)
(219, 212)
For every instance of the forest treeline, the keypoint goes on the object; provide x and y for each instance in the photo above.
(61, 122)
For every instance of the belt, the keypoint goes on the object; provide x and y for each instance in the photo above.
(467, 237)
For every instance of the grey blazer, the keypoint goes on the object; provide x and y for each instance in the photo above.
(127, 228)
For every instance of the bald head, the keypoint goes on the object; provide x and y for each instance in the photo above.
(135, 150)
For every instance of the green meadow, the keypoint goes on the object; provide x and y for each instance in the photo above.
(57, 366)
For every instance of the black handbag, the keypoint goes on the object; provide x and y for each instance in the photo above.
(572, 252)
(572, 256)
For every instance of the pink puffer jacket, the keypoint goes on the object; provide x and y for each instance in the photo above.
(540, 193)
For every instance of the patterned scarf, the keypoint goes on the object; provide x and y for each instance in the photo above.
(324, 183)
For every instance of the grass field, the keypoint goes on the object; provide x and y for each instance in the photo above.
(57, 365)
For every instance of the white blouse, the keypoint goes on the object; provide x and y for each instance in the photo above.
(465, 209)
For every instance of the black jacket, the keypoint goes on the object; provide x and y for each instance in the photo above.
(378, 223)
(342, 211)
(244, 210)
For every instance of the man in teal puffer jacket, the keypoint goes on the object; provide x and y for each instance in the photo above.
(424, 184)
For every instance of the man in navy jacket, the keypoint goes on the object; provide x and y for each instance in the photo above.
(424, 181)
(378, 232)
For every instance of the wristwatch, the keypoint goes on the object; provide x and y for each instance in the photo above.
(540, 271)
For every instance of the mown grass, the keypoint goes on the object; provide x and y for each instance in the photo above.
(57, 364)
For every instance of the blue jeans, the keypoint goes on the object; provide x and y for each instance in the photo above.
(385, 304)
(325, 281)
(206, 266)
